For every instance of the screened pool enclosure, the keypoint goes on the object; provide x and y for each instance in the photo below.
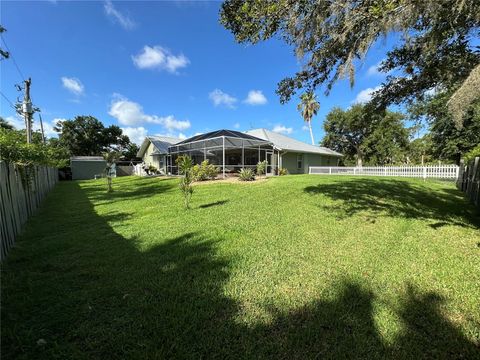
(228, 149)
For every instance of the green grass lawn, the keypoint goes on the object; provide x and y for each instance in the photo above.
(294, 267)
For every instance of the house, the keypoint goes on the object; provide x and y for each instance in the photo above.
(154, 151)
(297, 156)
(233, 150)
(87, 167)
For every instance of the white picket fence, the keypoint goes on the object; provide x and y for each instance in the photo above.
(432, 171)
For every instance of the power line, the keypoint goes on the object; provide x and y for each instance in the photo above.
(13, 59)
(11, 104)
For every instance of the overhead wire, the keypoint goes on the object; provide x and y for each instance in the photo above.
(8, 100)
(13, 58)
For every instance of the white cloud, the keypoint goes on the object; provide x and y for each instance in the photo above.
(160, 58)
(178, 135)
(220, 98)
(255, 97)
(125, 21)
(73, 85)
(236, 125)
(16, 121)
(48, 127)
(19, 123)
(282, 129)
(305, 128)
(373, 70)
(365, 95)
(131, 113)
(135, 134)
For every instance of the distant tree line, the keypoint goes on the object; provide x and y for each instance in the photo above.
(367, 136)
(81, 136)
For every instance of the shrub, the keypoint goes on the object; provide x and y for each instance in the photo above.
(185, 166)
(246, 174)
(14, 149)
(152, 169)
(261, 167)
(204, 171)
(472, 154)
(282, 171)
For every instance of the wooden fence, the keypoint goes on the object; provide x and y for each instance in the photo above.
(435, 171)
(19, 198)
(469, 180)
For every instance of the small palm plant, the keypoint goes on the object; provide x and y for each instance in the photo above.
(185, 166)
(110, 157)
(309, 107)
(246, 174)
(261, 167)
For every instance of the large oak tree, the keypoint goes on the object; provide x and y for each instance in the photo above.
(87, 136)
(365, 135)
(436, 47)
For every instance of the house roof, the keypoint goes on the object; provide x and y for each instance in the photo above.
(161, 144)
(286, 143)
(87, 158)
(219, 133)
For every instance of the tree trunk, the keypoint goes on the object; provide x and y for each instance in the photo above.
(359, 159)
(311, 133)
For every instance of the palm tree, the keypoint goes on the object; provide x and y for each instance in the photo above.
(309, 107)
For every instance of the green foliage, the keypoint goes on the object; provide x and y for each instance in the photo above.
(438, 47)
(420, 150)
(129, 151)
(261, 167)
(87, 136)
(388, 141)
(5, 125)
(366, 135)
(14, 149)
(246, 174)
(152, 169)
(449, 142)
(472, 154)
(282, 171)
(185, 165)
(204, 171)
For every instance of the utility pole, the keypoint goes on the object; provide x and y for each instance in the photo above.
(41, 127)
(27, 110)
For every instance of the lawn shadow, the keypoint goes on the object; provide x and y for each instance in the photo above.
(216, 203)
(396, 198)
(90, 292)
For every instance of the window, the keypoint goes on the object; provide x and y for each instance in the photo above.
(299, 161)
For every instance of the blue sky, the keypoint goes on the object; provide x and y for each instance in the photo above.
(156, 68)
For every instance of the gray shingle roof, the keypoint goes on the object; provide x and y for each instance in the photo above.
(87, 158)
(161, 144)
(286, 143)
